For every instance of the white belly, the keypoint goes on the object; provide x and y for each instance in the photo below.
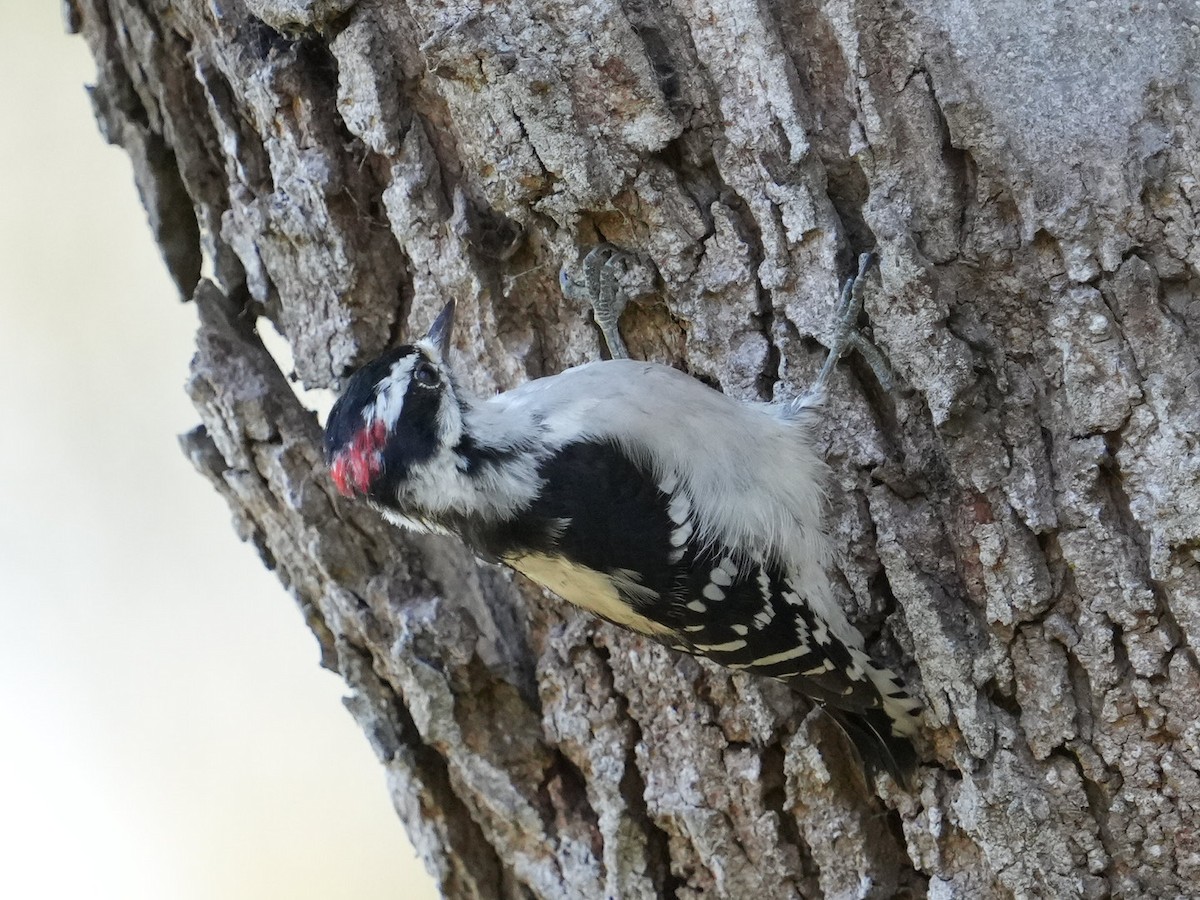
(584, 587)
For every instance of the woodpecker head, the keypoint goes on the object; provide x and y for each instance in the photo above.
(397, 412)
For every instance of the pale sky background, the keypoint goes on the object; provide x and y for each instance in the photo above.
(165, 730)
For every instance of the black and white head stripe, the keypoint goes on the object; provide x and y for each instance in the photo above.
(358, 436)
(396, 412)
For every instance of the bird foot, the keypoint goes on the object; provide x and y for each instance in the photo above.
(846, 334)
(610, 276)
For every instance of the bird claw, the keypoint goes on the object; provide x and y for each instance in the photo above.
(604, 274)
(846, 334)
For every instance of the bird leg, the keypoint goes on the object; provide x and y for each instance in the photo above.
(846, 335)
(607, 267)
(602, 286)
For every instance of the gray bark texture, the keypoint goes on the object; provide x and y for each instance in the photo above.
(1018, 523)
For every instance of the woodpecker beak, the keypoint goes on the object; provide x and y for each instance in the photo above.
(439, 331)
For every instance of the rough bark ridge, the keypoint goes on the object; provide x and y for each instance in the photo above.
(1019, 524)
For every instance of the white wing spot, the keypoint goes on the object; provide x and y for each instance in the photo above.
(668, 484)
(729, 567)
(720, 577)
(680, 535)
(694, 627)
(727, 647)
(821, 632)
(713, 592)
(697, 606)
(825, 666)
(679, 509)
(676, 555)
(764, 617)
(741, 629)
(784, 656)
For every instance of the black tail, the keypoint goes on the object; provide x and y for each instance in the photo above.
(870, 731)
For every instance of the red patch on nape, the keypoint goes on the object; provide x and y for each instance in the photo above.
(355, 468)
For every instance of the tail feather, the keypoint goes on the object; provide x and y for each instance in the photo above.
(870, 731)
(876, 713)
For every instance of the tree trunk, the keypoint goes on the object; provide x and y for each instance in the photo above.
(1018, 523)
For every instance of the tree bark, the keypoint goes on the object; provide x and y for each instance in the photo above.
(1018, 524)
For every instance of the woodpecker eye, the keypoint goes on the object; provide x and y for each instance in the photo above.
(425, 374)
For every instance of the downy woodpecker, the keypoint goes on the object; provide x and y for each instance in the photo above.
(639, 494)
